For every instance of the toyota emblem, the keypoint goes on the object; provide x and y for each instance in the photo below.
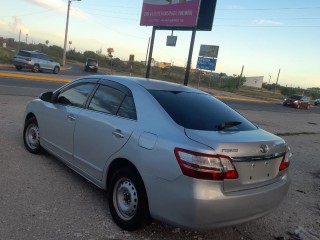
(264, 148)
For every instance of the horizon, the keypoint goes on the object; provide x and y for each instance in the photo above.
(262, 36)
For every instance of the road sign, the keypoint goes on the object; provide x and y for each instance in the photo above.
(209, 51)
(131, 58)
(206, 63)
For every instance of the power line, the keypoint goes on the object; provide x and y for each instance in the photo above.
(266, 9)
(269, 26)
(33, 13)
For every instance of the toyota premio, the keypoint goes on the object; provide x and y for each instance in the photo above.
(161, 151)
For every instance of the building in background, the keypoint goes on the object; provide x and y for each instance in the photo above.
(254, 82)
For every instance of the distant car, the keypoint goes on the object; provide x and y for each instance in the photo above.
(161, 150)
(317, 102)
(91, 65)
(297, 101)
(36, 61)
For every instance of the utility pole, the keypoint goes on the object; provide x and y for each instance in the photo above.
(239, 82)
(26, 38)
(66, 34)
(19, 40)
(275, 88)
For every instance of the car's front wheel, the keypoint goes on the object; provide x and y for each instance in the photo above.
(56, 70)
(18, 67)
(127, 199)
(31, 136)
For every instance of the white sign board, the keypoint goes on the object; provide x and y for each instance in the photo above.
(210, 51)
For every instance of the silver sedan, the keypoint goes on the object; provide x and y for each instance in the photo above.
(161, 150)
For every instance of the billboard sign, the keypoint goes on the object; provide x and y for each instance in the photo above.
(209, 51)
(183, 13)
(206, 63)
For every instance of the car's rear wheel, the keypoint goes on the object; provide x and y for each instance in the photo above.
(127, 199)
(56, 70)
(31, 136)
(36, 68)
(18, 67)
(308, 107)
(298, 106)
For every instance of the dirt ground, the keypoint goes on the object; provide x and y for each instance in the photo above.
(40, 198)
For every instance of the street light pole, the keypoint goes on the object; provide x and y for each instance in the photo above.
(66, 34)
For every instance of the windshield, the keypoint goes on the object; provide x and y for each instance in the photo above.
(201, 111)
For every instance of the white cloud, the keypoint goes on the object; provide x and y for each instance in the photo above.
(17, 25)
(60, 6)
(265, 22)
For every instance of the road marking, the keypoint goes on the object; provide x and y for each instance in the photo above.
(35, 77)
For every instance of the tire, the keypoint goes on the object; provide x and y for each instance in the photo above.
(298, 106)
(31, 136)
(308, 107)
(18, 68)
(127, 199)
(36, 68)
(56, 70)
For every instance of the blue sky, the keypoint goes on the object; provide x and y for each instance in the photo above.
(264, 36)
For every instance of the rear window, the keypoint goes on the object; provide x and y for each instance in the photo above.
(24, 54)
(92, 61)
(295, 97)
(200, 111)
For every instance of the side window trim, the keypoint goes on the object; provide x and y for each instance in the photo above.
(56, 95)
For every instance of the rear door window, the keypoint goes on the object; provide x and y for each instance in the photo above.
(113, 101)
(200, 111)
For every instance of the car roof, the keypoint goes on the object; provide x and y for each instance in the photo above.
(147, 83)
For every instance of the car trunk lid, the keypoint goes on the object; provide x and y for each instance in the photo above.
(256, 155)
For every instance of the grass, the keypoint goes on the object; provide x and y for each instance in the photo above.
(6, 55)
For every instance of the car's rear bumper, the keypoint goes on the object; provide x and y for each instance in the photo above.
(198, 204)
(22, 64)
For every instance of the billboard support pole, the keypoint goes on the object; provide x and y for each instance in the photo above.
(150, 52)
(186, 77)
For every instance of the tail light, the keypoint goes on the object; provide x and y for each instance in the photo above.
(205, 166)
(285, 160)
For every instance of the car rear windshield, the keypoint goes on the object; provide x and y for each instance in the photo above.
(24, 54)
(295, 97)
(92, 61)
(201, 111)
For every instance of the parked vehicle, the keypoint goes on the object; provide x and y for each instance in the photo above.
(91, 65)
(161, 150)
(297, 101)
(36, 61)
(317, 102)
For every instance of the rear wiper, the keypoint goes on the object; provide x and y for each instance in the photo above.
(226, 125)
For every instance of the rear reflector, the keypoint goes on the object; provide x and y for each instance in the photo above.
(285, 160)
(205, 166)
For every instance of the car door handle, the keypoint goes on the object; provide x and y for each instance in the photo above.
(71, 117)
(117, 133)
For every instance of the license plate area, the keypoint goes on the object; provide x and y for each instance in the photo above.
(253, 174)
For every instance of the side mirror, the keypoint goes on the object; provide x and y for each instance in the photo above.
(47, 96)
